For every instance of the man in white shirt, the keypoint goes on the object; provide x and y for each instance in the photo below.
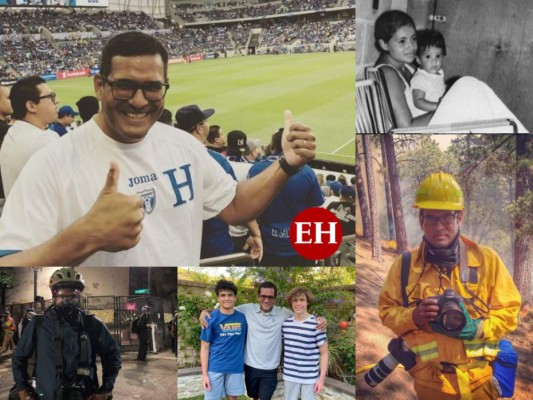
(34, 108)
(59, 214)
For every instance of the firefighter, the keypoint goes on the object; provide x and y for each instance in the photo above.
(459, 300)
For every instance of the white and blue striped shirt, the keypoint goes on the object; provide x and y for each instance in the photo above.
(301, 357)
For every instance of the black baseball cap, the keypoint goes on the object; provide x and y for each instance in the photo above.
(189, 116)
(237, 141)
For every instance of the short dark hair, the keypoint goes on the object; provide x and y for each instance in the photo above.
(275, 142)
(426, 38)
(87, 106)
(268, 285)
(22, 91)
(387, 24)
(214, 133)
(129, 44)
(225, 285)
(165, 117)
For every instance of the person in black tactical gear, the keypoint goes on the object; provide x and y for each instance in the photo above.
(67, 341)
(144, 332)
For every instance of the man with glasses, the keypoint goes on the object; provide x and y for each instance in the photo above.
(161, 180)
(34, 108)
(262, 353)
(452, 350)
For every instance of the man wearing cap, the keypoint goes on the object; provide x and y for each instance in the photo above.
(237, 146)
(216, 239)
(65, 118)
(452, 362)
(144, 326)
(126, 189)
(193, 120)
(344, 209)
(34, 108)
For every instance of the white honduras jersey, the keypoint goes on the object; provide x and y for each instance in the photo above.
(180, 183)
(301, 353)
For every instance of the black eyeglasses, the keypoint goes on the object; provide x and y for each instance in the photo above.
(444, 220)
(269, 298)
(52, 96)
(125, 90)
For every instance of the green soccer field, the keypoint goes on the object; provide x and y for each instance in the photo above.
(250, 94)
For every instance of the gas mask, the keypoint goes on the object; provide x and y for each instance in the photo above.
(68, 305)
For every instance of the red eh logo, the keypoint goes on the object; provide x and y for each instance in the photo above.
(315, 233)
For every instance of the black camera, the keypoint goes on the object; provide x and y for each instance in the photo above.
(399, 354)
(70, 391)
(450, 316)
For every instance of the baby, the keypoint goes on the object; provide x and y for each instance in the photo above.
(427, 84)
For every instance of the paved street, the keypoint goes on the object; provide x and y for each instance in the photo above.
(154, 379)
(190, 386)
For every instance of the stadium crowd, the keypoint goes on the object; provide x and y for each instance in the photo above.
(25, 54)
(72, 21)
(241, 10)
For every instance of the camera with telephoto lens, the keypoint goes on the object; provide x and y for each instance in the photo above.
(70, 391)
(399, 353)
(450, 317)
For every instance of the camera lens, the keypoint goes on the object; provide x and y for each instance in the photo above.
(452, 317)
(381, 370)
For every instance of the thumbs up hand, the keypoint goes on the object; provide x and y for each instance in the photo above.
(114, 222)
(297, 142)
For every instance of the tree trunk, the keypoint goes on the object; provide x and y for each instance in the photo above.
(374, 220)
(523, 245)
(396, 196)
(386, 184)
(361, 196)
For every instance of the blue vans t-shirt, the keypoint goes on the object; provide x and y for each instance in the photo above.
(226, 335)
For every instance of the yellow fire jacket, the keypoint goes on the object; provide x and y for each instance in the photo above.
(495, 288)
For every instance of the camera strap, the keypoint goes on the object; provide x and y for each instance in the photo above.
(404, 277)
(58, 339)
(470, 275)
(467, 273)
(35, 338)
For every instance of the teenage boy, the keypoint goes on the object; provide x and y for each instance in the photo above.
(222, 348)
(303, 344)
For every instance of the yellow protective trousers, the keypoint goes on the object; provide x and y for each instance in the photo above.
(487, 391)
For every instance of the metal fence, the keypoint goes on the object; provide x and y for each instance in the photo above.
(117, 313)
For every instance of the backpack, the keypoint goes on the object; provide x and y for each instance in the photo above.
(135, 325)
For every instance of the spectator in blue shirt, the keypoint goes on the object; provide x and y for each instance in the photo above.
(222, 347)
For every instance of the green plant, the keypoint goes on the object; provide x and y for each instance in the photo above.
(189, 309)
(342, 355)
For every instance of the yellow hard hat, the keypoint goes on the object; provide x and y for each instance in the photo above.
(439, 191)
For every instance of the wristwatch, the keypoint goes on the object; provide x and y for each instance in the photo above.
(287, 168)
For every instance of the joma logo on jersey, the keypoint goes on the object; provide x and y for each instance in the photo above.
(142, 179)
